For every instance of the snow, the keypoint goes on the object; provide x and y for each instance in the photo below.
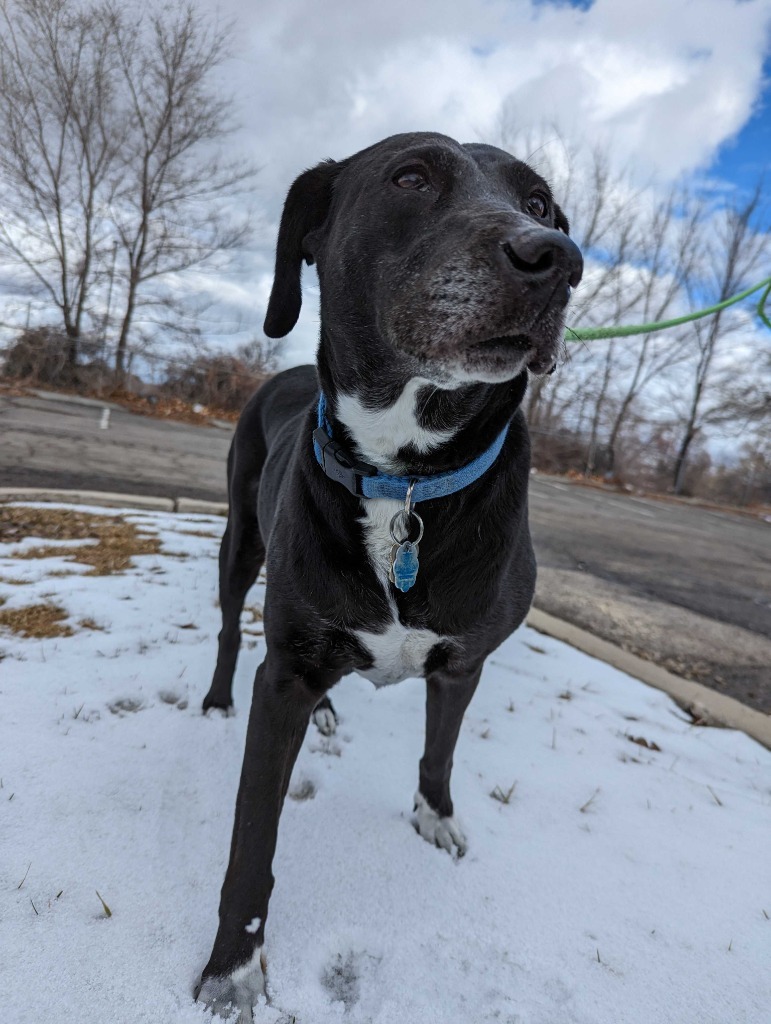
(619, 884)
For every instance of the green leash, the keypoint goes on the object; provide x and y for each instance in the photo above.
(597, 333)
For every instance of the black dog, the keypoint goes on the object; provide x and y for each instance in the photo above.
(445, 271)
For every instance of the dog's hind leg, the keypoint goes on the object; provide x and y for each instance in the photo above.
(447, 698)
(242, 554)
(325, 717)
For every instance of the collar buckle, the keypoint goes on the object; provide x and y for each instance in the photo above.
(338, 464)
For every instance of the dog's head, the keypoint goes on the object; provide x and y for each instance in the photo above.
(454, 258)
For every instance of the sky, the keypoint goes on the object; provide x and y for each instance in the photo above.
(674, 88)
(741, 159)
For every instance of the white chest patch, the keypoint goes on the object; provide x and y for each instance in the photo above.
(378, 513)
(380, 433)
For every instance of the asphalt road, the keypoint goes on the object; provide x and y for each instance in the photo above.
(687, 587)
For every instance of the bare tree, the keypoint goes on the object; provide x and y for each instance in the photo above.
(109, 172)
(646, 253)
(603, 204)
(59, 146)
(737, 252)
(671, 254)
(168, 213)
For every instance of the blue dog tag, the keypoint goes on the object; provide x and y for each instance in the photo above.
(404, 568)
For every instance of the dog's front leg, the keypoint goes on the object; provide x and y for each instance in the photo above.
(281, 707)
(447, 697)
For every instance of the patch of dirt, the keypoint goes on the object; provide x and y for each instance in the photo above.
(115, 541)
(36, 620)
(162, 407)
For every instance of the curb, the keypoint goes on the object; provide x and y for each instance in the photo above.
(708, 707)
(104, 403)
(60, 396)
(111, 499)
(212, 508)
(758, 515)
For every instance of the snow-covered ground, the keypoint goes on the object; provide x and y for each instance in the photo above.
(618, 884)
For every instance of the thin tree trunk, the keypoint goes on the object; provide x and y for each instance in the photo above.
(591, 458)
(690, 433)
(120, 352)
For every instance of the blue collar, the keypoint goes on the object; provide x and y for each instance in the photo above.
(367, 481)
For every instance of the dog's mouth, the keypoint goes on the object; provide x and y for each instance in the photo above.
(501, 346)
(510, 348)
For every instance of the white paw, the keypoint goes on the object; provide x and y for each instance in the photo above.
(238, 991)
(325, 721)
(444, 832)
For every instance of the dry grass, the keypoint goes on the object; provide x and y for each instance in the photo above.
(642, 742)
(115, 541)
(504, 796)
(36, 620)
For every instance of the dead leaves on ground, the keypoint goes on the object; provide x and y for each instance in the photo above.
(642, 742)
(114, 541)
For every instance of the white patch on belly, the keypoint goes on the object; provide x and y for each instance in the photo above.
(397, 653)
(380, 433)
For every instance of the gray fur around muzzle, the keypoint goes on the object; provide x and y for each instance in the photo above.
(491, 296)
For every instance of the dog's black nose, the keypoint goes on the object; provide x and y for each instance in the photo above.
(541, 250)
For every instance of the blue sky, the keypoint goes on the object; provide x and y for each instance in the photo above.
(741, 160)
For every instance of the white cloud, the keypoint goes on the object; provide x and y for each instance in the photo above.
(671, 80)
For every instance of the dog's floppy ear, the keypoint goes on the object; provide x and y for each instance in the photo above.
(305, 210)
(560, 220)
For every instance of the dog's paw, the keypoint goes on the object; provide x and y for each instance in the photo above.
(324, 718)
(213, 704)
(239, 991)
(443, 832)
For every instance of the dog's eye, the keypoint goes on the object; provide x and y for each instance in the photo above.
(412, 179)
(538, 205)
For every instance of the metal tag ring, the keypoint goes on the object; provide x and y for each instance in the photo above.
(403, 515)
